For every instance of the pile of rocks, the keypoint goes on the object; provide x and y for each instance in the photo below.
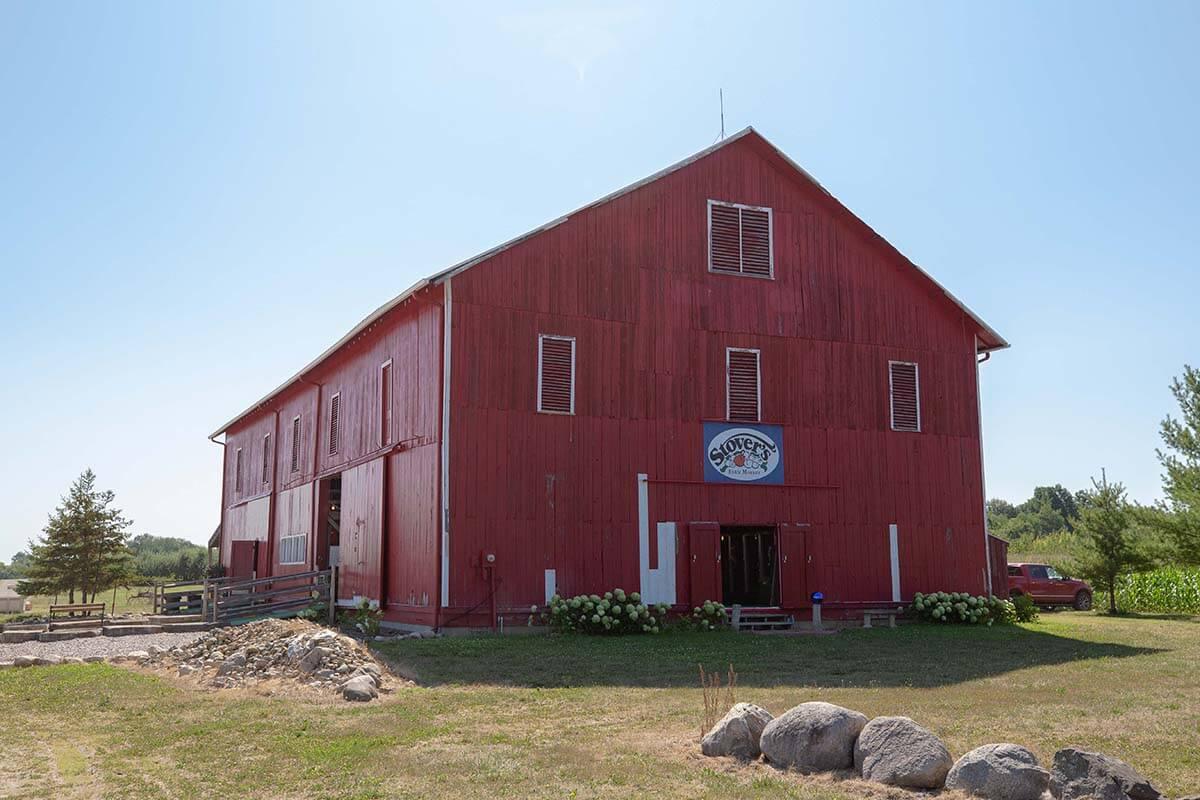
(275, 650)
(822, 737)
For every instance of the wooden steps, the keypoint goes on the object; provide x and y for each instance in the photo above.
(760, 619)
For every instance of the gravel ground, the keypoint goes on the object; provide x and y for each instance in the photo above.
(96, 646)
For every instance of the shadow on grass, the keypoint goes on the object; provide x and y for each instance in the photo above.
(912, 655)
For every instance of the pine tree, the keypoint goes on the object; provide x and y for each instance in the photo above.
(1181, 460)
(1109, 546)
(82, 547)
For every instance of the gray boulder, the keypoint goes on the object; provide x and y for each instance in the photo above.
(313, 659)
(24, 661)
(48, 661)
(231, 664)
(999, 772)
(812, 737)
(137, 655)
(360, 688)
(737, 733)
(899, 752)
(1082, 773)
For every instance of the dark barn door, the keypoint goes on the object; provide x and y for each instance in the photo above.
(704, 542)
(749, 568)
(242, 559)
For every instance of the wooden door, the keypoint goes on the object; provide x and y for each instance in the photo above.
(361, 536)
(793, 566)
(704, 543)
(242, 559)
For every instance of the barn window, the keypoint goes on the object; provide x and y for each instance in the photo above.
(385, 403)
(556, 374)
(739, 240)
(295, 466)
(237, 470)
(266, 465)
(743, 390)
(906, 398)
(292, 549)
(335, 408)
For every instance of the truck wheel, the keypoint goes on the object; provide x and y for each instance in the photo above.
(1083, 601)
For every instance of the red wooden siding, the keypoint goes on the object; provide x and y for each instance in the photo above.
(361, 571)
(629, 281)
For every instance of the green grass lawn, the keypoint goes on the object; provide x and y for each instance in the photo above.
(608, 718)
(122, 600)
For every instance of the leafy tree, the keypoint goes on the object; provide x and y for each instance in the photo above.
(1058, 500)
(1109, 546)
(997, 508)
(163, 556)
(83, 546)
(1181, 460)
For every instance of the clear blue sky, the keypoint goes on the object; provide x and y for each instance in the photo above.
(196, 198)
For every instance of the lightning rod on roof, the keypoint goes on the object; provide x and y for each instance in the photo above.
(721, 95)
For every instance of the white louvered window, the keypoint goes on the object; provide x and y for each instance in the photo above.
(556, 374)
(292, 549)
(335, 409)
(743, 389)
(385, 403)
(237, 470)
(266, 465)
(739, 240)
(905, 389)
(295, 465)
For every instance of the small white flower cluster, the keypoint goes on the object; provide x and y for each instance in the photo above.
(614, 612)
(709, 616)
(962, 607)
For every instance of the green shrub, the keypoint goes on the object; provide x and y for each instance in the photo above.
(709, 616)
(364, 618)
(1025, 609)
(317, 612)
(962, 608)
(1167, 590)
(613, 613)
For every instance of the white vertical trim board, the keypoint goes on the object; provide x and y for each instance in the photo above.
(894, 543)
(446, 328)
(551, 584)
(663, 578)
(987, 545)
(643, 515)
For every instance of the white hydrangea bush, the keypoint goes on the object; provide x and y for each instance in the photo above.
(614, 613)
(962, 608)
(709, 616)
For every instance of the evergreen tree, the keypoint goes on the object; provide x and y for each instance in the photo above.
(82, 547)
(1109, 546)
(1181, 460)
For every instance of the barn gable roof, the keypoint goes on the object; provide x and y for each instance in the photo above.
(989, 338)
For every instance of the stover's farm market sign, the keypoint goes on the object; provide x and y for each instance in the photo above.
(743, 453)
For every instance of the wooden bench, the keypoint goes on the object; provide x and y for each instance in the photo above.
(76, 611)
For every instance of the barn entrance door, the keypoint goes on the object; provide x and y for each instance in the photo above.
(329, 518)
(704, 547)
(793, 566)
(749, 568)
(243, 558)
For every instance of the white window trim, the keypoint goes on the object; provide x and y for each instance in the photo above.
(541, 338)
(384, 414)
(758, 382)
(892, 394)
(303, 558)
(770, 240)
(335, 444)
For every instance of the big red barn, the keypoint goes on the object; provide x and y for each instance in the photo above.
(717, 383)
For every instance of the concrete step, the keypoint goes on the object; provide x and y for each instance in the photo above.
(25, 626)
(16, 637)
(187, 627)
(171, 619)
(130, 630)
(76, 633)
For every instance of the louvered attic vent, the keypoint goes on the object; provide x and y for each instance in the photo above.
(335, 407)
(556, 374)
(295, 466)
(739, 239)
(742, 385)
(906, 400)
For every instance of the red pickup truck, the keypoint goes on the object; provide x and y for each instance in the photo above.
(1047, 587)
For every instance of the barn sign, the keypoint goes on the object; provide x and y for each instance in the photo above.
(743, 453)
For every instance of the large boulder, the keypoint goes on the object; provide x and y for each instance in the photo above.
(812, 737)
(999, 772)
(1082, 773)
(738, 733)
(899, 752)
(361, 688)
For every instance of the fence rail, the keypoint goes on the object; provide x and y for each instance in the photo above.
(232, 600)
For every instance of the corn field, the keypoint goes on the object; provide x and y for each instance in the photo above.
(1168, 590)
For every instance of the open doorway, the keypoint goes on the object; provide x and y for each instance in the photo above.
(749, 566)
(329, 518)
